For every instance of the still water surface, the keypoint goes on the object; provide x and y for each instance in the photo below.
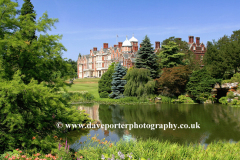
(217, 122)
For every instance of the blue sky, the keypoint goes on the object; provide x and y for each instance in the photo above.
(85, 24)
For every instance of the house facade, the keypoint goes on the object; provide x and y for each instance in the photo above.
(98, 61)
(197, 48)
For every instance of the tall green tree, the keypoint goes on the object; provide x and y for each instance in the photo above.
(169, 56)
(28, 8)
(200, 84)
(146, 58)
(139, 82)
(104, 84)
(41, 59)
(189, 58)
(223, 56)
(72, 72)
(30, 108)
(118, 82)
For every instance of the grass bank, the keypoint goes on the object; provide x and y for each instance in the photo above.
(156, 150)
(90, 85)
(96, 149)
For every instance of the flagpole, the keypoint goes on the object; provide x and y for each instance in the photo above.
(116, 39)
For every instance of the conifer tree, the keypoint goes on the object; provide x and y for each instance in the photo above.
(147, 59)
(169, 56)
(27, 9)
(118, 82)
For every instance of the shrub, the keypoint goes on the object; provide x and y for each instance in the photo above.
(234, 102)
(88, 96)
(104, 94)
(230, 95)
(29, 113)
(223, 100)
(200, 84)
(182, 98)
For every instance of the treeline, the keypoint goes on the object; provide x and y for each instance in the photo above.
(32, 71)
(174, 70)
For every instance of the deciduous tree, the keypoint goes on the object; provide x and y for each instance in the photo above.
(139, 82)
(173, 80)
(41, 59)
(104, 84)
(223, 56)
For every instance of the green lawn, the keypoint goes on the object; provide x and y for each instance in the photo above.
(86, 84)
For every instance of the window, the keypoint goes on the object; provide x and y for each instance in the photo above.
(201, 57)
(193, 47)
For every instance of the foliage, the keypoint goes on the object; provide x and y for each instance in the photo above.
(184, 99)
(169, 56)
(104, 94)
(63, 152)
(78, 96)
(223, 100)
(222, 57)
(235, 78)
(147, 59)
(32, 110)
(72, 72)
(165, 99)
(154, 149)
(189, 57)
(27, 8)
(104, 84)
(201, 84)
(118, 82)
(39, 58)
(173, 80)
(139, 82)
(230, 95)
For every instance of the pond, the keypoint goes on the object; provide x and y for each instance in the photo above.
(214, 122)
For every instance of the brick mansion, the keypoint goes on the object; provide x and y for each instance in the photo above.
(97, 62)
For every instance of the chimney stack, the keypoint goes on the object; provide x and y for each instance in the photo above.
(180, 39)
(119, 44)
(157, 45)
(115, 45)
(105, 45)
(190, 39)
(197, 40)
(94, 48)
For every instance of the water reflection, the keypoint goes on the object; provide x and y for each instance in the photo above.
(217, 122)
